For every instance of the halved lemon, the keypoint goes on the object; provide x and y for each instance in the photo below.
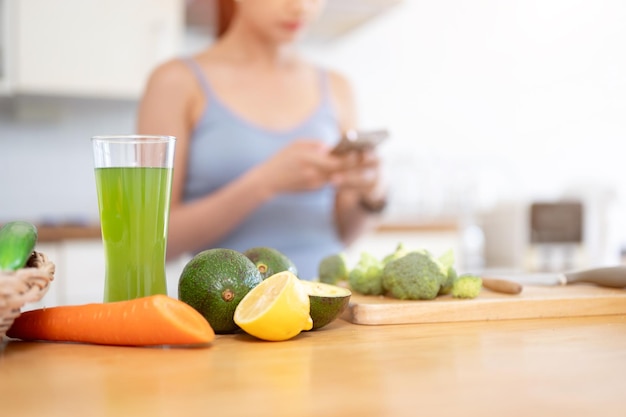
(276, 309)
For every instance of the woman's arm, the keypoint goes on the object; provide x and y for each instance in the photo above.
(361, 193)
(171, 104)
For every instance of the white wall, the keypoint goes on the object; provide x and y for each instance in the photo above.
(46, 162)
(496, 104)
(519, 98)
(486, 100)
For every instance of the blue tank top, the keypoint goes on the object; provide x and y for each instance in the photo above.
(223, 146)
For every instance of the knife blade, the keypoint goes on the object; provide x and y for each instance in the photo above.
(612, 277)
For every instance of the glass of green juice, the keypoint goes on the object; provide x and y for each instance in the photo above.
(133, 183)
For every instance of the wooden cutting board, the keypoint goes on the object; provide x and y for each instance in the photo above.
(533, 302)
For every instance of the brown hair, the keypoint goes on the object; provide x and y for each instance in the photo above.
(225, 12)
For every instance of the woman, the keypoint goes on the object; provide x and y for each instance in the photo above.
(255, 124)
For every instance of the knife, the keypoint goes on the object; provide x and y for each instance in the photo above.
(613, 277)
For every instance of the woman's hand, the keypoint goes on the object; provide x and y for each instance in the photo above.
(361, 173)
(302, 165)
(360, 193)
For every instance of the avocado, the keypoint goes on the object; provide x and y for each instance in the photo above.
(327, 302)
(333, 269)
(214, 282)
(270, 261)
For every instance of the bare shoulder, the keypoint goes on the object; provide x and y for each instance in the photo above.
(168, 99)
(339, 83)
(342, 97)
(172, 75)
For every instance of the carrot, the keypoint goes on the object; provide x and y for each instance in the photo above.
(147, 321)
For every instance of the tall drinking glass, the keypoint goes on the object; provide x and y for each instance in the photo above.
(133, 182)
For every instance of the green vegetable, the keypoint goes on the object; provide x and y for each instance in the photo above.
(214, 282)
(415, 276)
(333, 268)
(446, 262)
(367, 276)
(17, 242)
(451, 277)
(327, 302)
(400, 251)
(467, 286)
(270, 261)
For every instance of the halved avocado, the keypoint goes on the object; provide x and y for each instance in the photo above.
(327, 301)
(270, 261)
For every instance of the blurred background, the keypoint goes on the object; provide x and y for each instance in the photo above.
(506, 120)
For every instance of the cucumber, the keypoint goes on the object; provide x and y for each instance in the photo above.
(17, 242)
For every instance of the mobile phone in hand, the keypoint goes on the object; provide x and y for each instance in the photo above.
(360, 140)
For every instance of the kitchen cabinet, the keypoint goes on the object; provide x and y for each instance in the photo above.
(79, 272)
(107, 48)
(5, 39)
(88, 48)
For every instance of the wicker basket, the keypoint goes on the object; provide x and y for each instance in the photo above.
(26, 285)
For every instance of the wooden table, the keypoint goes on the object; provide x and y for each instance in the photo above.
(541, 367)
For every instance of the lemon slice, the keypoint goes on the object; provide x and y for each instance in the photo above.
(276, 309)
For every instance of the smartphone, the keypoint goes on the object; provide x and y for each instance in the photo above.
(359, 140)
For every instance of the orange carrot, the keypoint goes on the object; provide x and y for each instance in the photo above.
(147, 321)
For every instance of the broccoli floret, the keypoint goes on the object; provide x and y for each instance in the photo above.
(400, 251)
(451, 277)
(333, 268)
(467, 286)
(415, 276)
(446, 262)
(367, 276)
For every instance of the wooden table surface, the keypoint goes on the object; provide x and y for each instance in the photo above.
(546, 367)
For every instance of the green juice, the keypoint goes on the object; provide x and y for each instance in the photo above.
(134, 211)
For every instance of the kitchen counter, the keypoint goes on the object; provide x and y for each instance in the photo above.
(70, 231)
(58, 233)
(51, 233)
(546, 367)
